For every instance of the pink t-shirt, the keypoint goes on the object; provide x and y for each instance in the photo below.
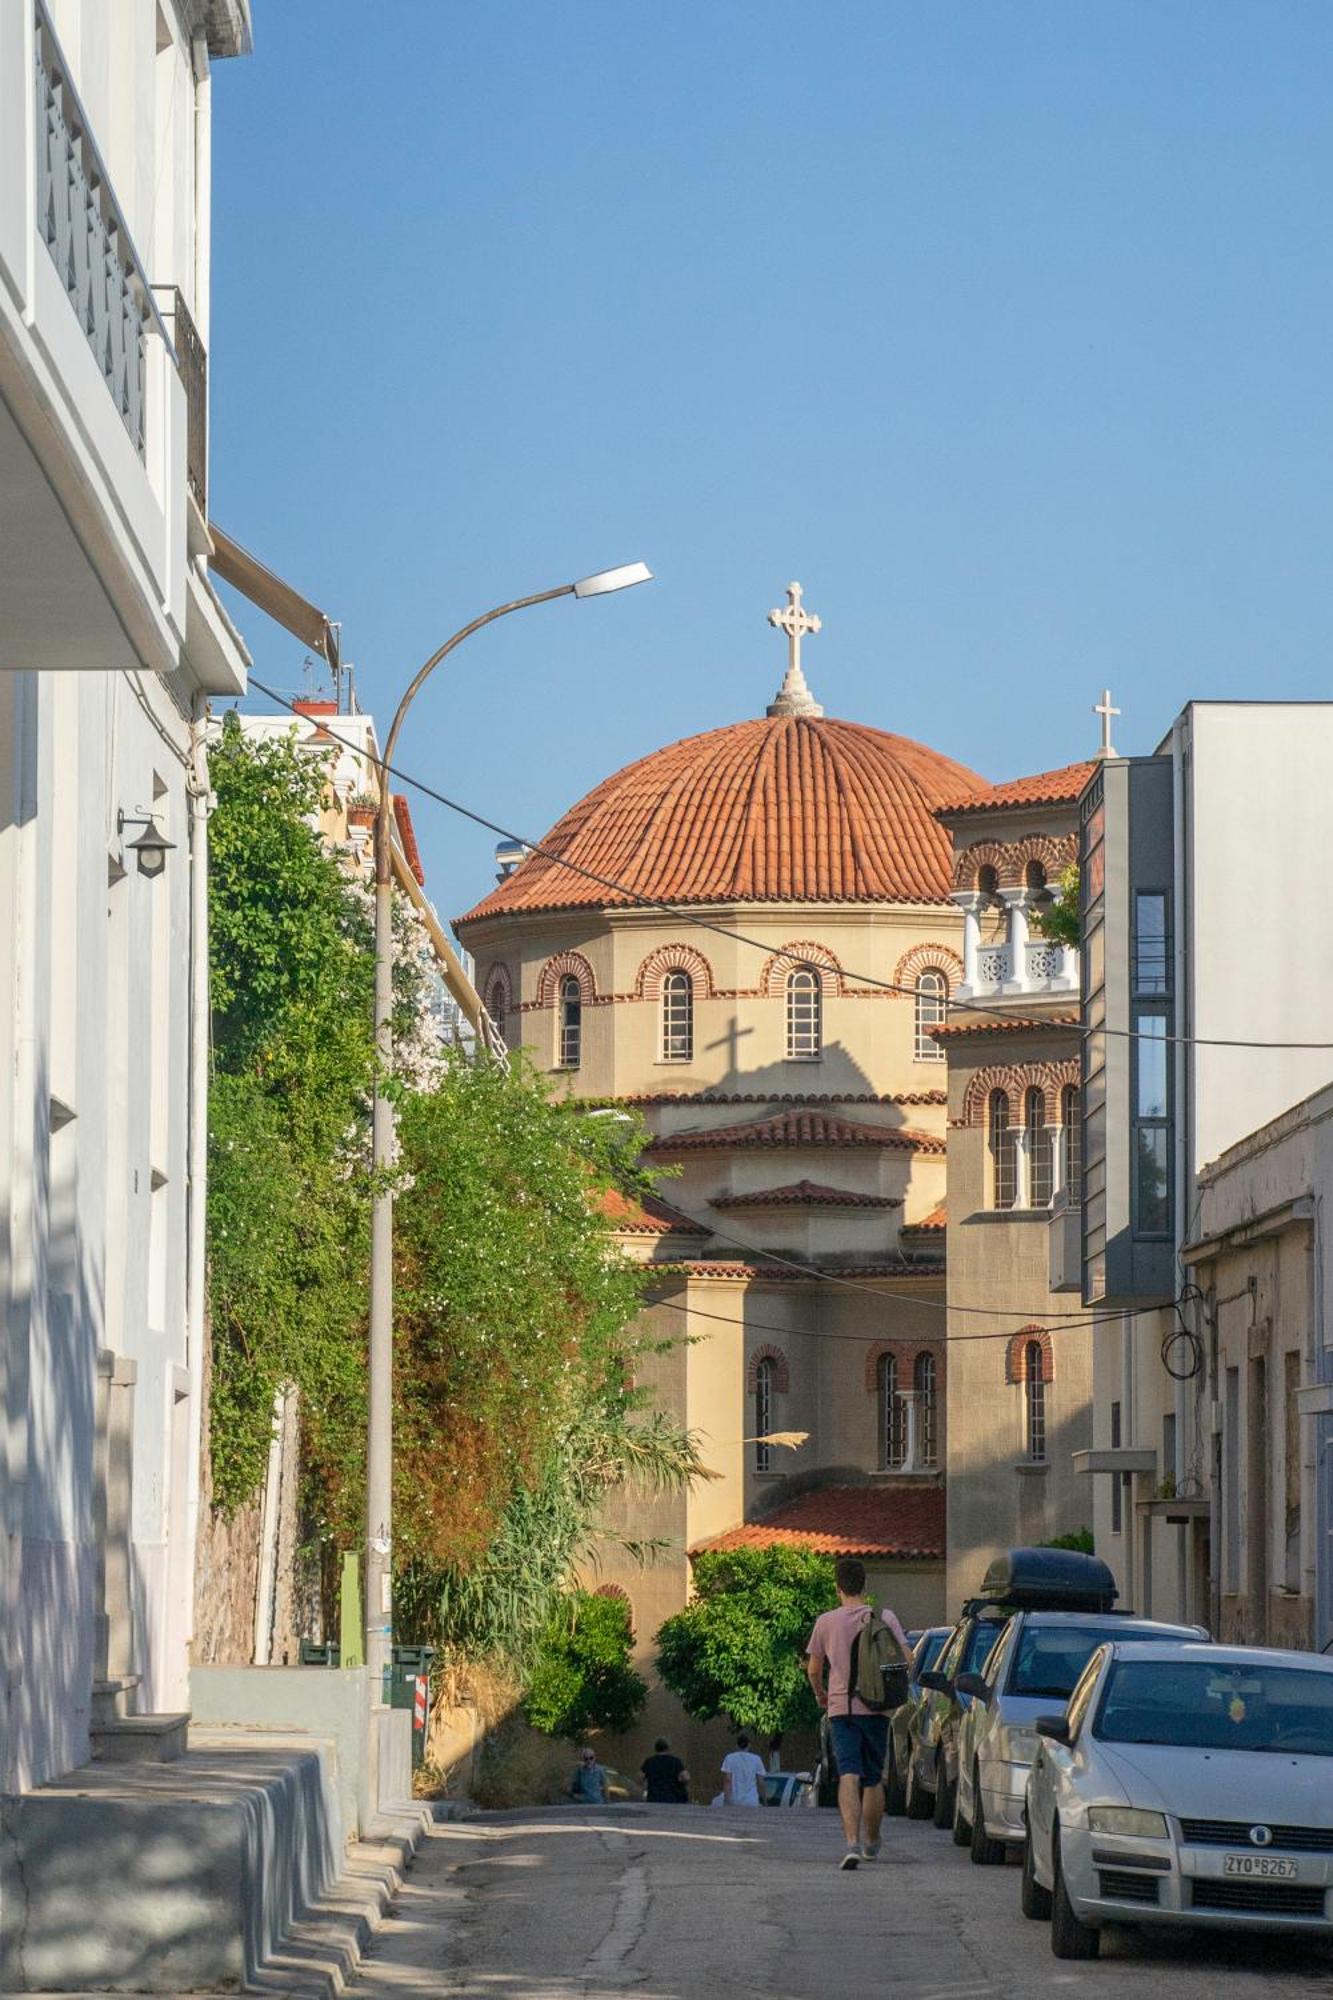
(831, 1640)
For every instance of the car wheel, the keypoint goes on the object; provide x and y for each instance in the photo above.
(987, 1853)
(895, 1791)
(944, 1796)
(962, 1825)
(1034, 1900)
(920, 1805)
(1070, 1936)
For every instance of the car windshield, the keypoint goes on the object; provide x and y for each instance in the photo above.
(1223, 1707)
(979, 1644)
(1050, 1658)
(929, 1650)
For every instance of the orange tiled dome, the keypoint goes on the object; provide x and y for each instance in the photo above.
(789, 808)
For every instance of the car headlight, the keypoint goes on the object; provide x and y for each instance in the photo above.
(1127, 1819)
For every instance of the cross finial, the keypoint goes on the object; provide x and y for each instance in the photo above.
(794, 697)
(1105, 710)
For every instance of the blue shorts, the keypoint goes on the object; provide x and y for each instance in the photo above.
(860, 1744)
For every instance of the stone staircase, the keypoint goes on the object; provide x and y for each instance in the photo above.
(118, 1737)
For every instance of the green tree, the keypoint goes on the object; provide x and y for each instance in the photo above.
(581, 1677)
(1059, 919)
(738, 1648)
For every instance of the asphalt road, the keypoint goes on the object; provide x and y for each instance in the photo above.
(703, 1904)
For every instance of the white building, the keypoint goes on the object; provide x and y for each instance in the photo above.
(111, 638)
(1205, 1005)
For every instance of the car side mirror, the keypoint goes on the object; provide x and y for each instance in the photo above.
(1054, 1726)
(973, 1685)
(934, 1679)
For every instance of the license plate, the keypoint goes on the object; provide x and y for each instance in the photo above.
(1259, 1867)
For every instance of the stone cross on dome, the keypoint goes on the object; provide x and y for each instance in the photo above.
(794, 697)
(1105, 710)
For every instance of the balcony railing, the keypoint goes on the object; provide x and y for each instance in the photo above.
(87, 235)
(192, 362)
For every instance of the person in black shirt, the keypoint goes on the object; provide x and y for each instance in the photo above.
(665, 1779)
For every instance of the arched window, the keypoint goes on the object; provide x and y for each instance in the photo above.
(765, 1382)
(988, 879)
(570, 1017)
(677, 1017)
(923, 1381)
(1071, 1122)
(1034, 879)
(1034, 1400)
(1041, 1161)
(803, 1012)
(892, 1422)
(497, 1004)
(932, 993)
(1003, 1153)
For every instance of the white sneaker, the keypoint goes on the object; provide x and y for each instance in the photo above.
(851, 1859)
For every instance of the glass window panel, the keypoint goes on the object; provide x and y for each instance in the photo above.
(1151, 945)
(1039, 1150)
(1094, 960)
(1153, 1210)
(1004, 1153)
(803, 1013)
(931, 998)
(1150, 1052)
(677, 1017)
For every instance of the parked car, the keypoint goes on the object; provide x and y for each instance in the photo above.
(1185, 1784)
(932, 1767)
(784, 1788)
(1038, 1579)
(926, 1650)
(1034, 1666)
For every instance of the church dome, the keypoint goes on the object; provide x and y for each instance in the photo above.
(790, 808)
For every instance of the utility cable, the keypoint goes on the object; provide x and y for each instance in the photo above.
(680, 915)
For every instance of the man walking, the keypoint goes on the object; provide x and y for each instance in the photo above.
(742, 1775)
(860, 1737)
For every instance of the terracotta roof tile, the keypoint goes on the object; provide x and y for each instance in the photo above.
(935, 1221)
(648, 1215)
(797, 1128)
(756, 1267)
(782, 809)
(1047, 788)
(1016, 1024)
(805, 1194)
(904, 1521)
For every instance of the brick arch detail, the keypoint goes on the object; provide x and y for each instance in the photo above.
(1047, 1077)
(781, 1373)
(981, 854)
(498, 979)
(929, 958)
(1016, 1354)
(1054, 853)
(560, 967)
(673, 958)
(906, 1353)
(792, 958)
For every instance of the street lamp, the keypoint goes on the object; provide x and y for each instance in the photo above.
(379, 1441)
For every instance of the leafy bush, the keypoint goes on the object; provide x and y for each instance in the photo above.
(1077, 1538)
(582, 1678)
(1059, 920)
(738, 1648)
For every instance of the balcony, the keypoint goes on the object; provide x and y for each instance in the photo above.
(101, 440)
(1019, 966)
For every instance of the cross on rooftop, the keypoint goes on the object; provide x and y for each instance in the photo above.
(1105, 710)
(794, 697)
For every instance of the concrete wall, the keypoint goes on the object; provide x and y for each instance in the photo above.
(332, 1703)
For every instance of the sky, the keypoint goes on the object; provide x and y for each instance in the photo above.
(1002, 325)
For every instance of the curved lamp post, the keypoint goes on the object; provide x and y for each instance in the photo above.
(379, 1442)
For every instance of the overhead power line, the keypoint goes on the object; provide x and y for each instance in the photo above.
(680, 915)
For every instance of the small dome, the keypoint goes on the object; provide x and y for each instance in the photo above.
(792, 808)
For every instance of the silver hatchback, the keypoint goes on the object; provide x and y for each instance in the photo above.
(1031, 1670)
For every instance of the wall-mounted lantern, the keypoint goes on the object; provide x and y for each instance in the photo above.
(152, 846)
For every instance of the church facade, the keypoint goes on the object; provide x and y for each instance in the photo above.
(767, 984)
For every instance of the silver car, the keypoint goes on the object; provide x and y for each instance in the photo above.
(1185, 1784)
(1030, 1671)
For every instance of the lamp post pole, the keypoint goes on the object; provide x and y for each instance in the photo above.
(379, 1439)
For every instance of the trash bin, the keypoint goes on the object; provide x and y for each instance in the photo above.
(314, 1654)
(407, 1685)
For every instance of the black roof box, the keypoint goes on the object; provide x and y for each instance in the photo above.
(1050, 1580)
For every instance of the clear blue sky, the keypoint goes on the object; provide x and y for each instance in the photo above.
(1003, 325)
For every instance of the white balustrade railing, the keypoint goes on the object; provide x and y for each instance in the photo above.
(1045, 962)
(87, 237)
(993, 965)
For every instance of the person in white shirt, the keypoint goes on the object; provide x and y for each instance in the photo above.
(741, 1774)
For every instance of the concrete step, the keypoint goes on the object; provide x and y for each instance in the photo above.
(111, 1698)
(140, 1739)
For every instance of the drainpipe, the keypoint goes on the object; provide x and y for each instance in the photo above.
(203, 184)
(196, 1303)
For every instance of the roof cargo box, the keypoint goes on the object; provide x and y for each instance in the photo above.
(1050, 1580)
